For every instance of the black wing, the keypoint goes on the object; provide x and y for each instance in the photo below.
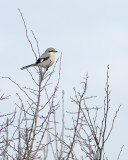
(41, 60)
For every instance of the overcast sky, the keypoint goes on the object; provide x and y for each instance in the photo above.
(90, 33)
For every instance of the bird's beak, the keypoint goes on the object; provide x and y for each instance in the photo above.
(56, 51)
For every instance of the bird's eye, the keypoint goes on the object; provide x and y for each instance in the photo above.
(51, 51)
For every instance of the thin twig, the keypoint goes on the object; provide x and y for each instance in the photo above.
(27, 33)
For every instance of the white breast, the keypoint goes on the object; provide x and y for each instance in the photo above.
(47, 63)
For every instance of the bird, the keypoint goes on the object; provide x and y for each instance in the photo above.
(46, 59)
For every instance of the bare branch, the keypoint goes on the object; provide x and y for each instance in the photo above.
(27, 33)
(120, 152)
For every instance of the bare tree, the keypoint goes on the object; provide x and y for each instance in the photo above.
(28, 139)
(89, 133)
(35, 129)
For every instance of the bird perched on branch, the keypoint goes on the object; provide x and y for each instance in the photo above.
(46, 59)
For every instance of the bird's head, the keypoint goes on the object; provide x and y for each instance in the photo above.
(51, 51)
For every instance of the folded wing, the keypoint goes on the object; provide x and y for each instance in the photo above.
(42, 59)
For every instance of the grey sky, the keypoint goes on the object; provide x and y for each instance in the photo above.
(90, 33)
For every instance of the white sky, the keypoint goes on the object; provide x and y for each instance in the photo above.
(90, 33)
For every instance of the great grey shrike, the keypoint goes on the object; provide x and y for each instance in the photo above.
(46, 60)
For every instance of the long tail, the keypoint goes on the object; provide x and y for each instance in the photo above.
(27, 66)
